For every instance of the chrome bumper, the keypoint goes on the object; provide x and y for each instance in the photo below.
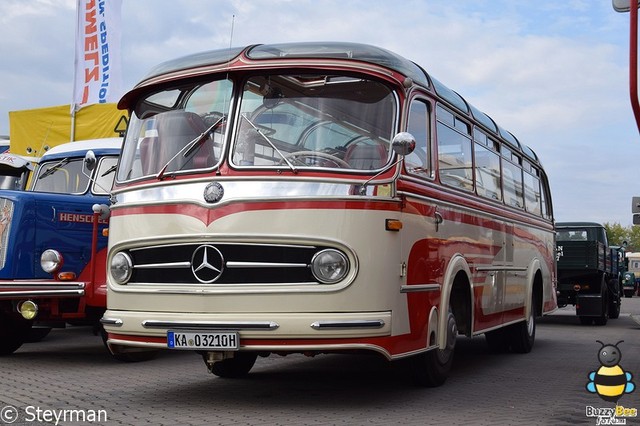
(21, 289)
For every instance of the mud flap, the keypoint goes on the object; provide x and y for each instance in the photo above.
(589, 305)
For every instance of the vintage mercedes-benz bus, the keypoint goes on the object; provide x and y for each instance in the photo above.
(318, 198)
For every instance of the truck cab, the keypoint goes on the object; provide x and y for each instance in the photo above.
(589, 271)
(52, 247)
(15, 171)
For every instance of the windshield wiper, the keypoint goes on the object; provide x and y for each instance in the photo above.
(190, 147)
(271, 144)
(51, 170)
(109, 170)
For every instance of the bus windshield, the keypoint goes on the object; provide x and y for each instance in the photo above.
(283, 121)
(325, 121)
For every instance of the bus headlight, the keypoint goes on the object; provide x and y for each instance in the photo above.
(121, 267)
(51, 261)
(329, 266)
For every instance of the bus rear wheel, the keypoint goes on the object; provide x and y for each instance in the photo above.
(432, 368)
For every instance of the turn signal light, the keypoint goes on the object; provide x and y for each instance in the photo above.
(67, 276)
(393, 225)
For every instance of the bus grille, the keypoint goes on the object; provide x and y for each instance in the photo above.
(224, 263)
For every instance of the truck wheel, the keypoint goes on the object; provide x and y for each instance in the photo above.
(13, 332)
(235, 367)
(432, 368)
(614, 306)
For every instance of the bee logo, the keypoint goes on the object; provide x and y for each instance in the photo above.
(610, 382)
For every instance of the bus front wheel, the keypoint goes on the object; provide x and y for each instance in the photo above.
(235, 367)
(432, 368)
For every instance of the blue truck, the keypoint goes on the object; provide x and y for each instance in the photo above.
(52, 247)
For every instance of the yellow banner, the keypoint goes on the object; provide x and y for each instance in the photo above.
(34, 131)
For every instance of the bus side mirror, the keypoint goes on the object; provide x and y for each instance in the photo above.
(403, 143)
(90, 160)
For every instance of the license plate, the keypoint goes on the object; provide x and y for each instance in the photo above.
(203, 340)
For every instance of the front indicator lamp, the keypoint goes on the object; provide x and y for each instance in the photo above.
(329, 266)
(28, 310)
(121, 267)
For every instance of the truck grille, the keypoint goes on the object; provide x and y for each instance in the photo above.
(223, 263)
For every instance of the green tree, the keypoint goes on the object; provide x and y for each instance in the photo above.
(617, 234)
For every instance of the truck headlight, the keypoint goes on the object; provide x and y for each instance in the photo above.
(329, 266)
(51, 261)
(121, 267)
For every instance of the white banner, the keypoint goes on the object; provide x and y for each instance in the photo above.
(98, 76)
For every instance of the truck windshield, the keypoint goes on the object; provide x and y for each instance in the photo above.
(572, 235)
(62, 177)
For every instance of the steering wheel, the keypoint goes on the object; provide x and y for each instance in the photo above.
(212, 117)
(315, 155)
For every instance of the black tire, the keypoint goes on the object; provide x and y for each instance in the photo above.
(523, 334)
(498, 340)
(13, 332)
(238, 366)
(431, 368)
(602, 319)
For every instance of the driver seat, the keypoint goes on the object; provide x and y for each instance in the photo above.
(364, 156)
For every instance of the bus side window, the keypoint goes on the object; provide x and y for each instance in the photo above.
(418, 161)
(454, 150)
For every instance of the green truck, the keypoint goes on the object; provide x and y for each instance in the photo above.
(590, 271)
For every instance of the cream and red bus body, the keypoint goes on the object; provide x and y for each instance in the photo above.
(452, 245)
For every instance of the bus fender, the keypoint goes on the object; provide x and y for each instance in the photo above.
(533, 269)
(456, 265)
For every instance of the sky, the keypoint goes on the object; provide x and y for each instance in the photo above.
(553, 73)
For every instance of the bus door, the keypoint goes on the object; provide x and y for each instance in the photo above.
(515, 280)
(490, 276)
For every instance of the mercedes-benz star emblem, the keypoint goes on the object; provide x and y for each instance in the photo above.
(213, 192)
(207, 264)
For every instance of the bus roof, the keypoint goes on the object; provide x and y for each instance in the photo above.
(578, 225)
(210, 61)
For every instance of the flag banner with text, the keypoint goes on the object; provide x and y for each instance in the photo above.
(97, 60)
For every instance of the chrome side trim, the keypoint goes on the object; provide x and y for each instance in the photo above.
(212, 325)
(420, 288)
(57, 285)
(114, 322)
(163, 265)
(501, 268)
(245, 189)
(323, 325)
(232, 264)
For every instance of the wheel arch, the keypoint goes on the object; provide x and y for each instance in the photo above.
(457, 292)
(535, 289)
